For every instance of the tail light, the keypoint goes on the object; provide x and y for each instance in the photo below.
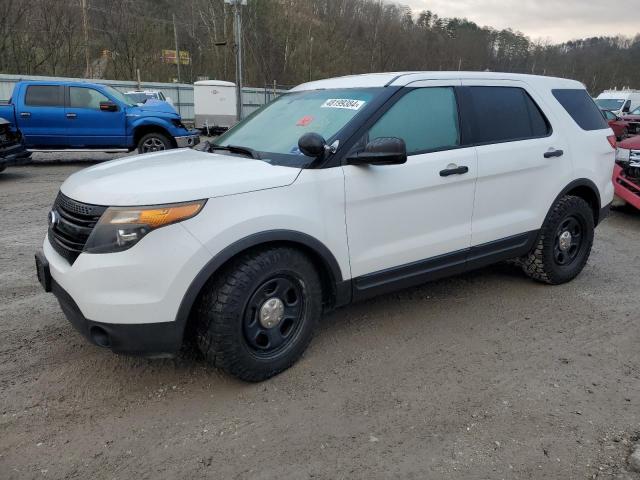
(612, 141)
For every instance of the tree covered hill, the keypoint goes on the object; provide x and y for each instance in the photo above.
(287, 41)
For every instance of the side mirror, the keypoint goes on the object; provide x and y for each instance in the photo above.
(108, 106)
(381, 151)
(312, 145)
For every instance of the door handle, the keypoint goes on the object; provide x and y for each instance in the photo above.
(25, 114)
(454, 171)
(72, 115)
(553, 153)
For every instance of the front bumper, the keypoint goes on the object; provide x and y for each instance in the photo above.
(151, 340)
(187, 141)
(130, 298)
(626, 189)
(13, 154)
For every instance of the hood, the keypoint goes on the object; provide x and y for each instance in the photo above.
(631, 143)
(173, 176)
(154, 106)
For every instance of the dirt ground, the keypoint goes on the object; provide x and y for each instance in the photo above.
(486, 375)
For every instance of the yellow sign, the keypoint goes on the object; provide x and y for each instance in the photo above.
(169, 56)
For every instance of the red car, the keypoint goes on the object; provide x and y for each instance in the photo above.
(619, 126)
(633, 119)
(626, 172)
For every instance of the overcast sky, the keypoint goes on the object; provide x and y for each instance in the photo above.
(557, 20)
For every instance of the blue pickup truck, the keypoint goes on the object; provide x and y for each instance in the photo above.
(51, 115)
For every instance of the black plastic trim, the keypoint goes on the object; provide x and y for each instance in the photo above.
(441, 266)
(582, 182)
(146, 339)
(604, 212)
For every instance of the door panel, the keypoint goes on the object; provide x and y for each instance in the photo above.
(516, 183)
(87, 125)
(40, 115)
(400, 214)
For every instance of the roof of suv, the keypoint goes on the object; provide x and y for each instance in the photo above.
(404, 78)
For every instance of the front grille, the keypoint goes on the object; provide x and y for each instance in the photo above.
(74, 222)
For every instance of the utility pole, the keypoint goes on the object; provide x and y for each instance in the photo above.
(175, 39)
(85, 28)
(237, 30)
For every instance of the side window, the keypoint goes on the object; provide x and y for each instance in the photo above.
(81, 97)
(44, 96)
(425, 118)
(581, 107)
(504, 114)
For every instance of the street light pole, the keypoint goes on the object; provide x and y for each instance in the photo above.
(237, 30)
(175, 41)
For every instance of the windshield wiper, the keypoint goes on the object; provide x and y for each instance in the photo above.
(249, 152)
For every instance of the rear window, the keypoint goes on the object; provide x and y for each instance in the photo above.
(581, 107)
(44, 96)
(504, 114)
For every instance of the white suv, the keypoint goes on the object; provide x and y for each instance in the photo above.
(339, 190)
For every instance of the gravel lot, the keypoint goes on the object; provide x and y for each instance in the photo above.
(487, 375)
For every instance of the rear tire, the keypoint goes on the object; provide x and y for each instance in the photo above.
(564, 243)
(154, 142)
(257, 317)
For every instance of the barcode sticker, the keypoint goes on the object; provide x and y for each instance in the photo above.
(343, 103)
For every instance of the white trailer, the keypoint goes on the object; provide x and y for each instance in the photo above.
(214, 105)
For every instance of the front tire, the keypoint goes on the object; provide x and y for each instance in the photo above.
(257, 317)
(564, 243)
(154, 142)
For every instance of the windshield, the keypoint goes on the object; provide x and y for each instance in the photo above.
(610, 103)
(119, 96)
(635, 112)
(276, 128)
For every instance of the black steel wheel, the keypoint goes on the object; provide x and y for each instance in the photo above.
(255, 318)
(568, 241)
(274, 314)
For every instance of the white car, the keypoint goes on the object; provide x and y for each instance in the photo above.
(339, 190)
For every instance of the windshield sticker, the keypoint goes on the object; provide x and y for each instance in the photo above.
(304, 121)
(343, 103)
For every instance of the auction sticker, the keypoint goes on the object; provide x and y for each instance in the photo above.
(343, 103)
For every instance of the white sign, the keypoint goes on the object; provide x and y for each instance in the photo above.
(343, 103)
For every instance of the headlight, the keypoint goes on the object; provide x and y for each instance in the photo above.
(622, 154)
(120, 228)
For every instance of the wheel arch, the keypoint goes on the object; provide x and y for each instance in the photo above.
(336, 290)
(588, 191)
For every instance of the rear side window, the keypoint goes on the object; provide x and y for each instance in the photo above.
(504, 114)
(425, 118)
(44, 96)
(581, 107)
